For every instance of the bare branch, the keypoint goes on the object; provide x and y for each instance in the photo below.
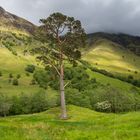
(54, 67)
(67, 84)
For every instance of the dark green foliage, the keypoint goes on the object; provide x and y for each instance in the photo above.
(33, 82)
(10, 75)
(47, 78)
(30, 68)
(23, 104)
(18, 76)
(87, 92)
(27, 74)
(108, 99)
(15, 82)
(0, 74)
(39, 102)
(76, 76)
(73, 96)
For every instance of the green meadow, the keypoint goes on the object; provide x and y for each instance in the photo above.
(83, 124)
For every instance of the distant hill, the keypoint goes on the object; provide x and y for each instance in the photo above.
(129, 42)
(111, 52)
(13, 22)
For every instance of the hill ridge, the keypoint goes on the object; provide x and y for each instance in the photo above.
(11, 21)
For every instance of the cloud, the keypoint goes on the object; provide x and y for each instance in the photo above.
(95, 15)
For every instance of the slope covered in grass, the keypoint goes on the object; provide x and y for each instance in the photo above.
(83, 124)
(12, 64)
(112, 57)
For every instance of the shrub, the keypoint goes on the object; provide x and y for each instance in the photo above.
(73, 96)
(15, 82)
(33, 82)
(18, 76)
(0, 74)
(25, 104)
(30, 68)
(120, 102)
(10, 75)
(27, 74)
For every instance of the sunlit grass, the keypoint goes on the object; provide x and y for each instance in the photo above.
(83, 124)
(114, 58)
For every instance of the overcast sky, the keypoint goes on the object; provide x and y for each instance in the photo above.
(95, 15)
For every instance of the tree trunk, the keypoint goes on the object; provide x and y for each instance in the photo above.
(62, 94)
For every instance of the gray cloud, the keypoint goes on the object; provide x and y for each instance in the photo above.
(95, 15)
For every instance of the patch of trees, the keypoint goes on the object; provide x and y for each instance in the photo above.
(108, 99)
(86, 92)
(23, 104)
(77, 78)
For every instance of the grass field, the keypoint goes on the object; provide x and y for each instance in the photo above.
(114, 58)
(83, 124)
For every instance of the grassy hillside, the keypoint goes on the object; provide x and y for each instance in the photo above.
(83, 124)
(16, 65)
(112, 57)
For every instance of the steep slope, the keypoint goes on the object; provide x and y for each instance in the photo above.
(83, 124)
(129, 42)
(10, 22)
(115, 58)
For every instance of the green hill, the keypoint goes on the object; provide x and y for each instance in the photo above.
(88, 88)
(83, 124)
(110, 56)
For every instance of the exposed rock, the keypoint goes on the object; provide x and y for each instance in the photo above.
(9, 20)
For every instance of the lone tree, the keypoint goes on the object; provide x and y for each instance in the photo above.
(64, 36)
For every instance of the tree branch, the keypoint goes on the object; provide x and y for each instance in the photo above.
(67, 84)
(54, 68)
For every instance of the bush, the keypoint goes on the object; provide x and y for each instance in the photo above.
(10, 75)
(114, 100)
(30, 68)
(23, 104)
(73, 96)
(0, 74)
(18, 76)
(15, 82)
(33, 82)
(46, 78)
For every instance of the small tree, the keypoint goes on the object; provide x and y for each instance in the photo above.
(65, 36)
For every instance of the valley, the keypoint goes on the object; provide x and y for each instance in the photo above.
(102, 94)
